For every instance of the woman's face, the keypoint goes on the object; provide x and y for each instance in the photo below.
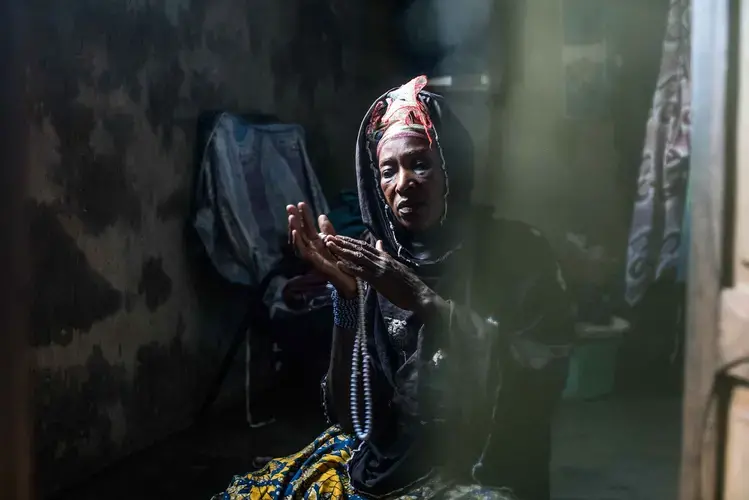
(412, 181)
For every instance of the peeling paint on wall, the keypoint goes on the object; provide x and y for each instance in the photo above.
(115, 90)
(174, 206)
(155, 285)
(68, 295)
(71, 406)
(88, 413)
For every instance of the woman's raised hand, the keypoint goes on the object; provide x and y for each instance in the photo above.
(392, 279)
(310, 246)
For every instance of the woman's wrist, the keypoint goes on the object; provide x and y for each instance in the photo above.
(345, 310)
(345, 285)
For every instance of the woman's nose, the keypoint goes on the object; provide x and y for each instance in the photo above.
(405, 180)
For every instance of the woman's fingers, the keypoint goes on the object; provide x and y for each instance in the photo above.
(299, 244)
(355, 245)
(295, 225)
(353, 256)
(326, 227)
(352, 269)
(290, 211)
(308, 224)
(293, 215)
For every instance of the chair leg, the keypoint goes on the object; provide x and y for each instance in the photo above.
(226, 363)
(248, 365)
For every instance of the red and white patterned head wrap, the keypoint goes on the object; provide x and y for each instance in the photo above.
(402, 114)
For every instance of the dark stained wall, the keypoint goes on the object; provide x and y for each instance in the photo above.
(123, 342)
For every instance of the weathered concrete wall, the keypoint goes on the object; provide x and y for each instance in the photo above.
(123, 341)
(570, 175)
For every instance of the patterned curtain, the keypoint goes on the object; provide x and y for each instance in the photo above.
(656, 233)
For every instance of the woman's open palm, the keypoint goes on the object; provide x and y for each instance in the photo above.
(310, 246)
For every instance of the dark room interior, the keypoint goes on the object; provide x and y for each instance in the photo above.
(177, 342)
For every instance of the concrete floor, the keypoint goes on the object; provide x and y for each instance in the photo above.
(619, 449)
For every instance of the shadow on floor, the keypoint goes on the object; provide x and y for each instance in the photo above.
(199, 462)
(619, 449)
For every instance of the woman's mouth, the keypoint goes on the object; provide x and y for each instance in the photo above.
(409, 208)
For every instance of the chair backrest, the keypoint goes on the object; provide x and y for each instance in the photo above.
(248, 173)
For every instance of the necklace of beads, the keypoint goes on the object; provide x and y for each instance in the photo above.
(360, 372)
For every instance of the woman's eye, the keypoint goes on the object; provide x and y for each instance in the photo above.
(421, 166)
(387, 173)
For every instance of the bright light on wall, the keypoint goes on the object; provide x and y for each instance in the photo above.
(461, 83)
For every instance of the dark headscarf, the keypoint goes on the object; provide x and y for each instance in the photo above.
(398, 452)
(447, 134)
